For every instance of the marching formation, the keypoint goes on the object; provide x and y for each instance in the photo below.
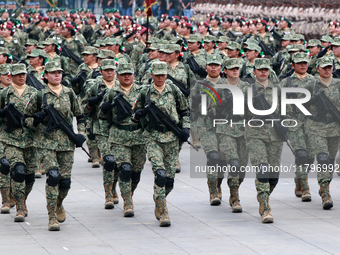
(134, 87)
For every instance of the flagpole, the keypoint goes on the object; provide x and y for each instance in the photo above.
(147, 27)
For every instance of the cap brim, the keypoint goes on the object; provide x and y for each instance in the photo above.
(301, 61)
(262, 67)
(88, 53)
(32, 56)
(109, 67)
(20, 72)
(233, 66)
(159, 73)
(126, 71)
(214, 62)
(324, 65)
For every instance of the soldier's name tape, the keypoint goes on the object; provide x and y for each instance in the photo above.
(318, 168)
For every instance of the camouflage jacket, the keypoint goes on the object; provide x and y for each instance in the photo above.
(117, 133)
(143, 72)
(94, 124)
(136, 54)
(14, 46)
(181, 73)
(122, 58)
(168, 104)
(19, 137)
(265, 132)
(68, 107)
(325, 125)
(30, 69)
(293, 111)
(130, 46)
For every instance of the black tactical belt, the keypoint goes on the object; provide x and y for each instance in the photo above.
(162, 129)
(127, 127)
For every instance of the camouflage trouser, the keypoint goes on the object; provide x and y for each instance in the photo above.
(162, 156)
(61, 160)
(136, 156)
(5, 179)
(328, 145)
(299, 141)
(233, 148)
(26, 156)
(105, 149)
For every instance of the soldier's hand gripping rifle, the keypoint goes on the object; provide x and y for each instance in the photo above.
(14, 117)
(196, 68)
(262, 104)
(157, 116)
(266, 50)
(68, 53)
(323, 52)
(231, 35)
(124, 108)
(55, 120)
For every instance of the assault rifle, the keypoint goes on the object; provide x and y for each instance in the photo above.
(196, 68)
(157, 116)
(180, 85)
(14, 117)
(262, 104)
(325, 106)
(124, 108)
(55, 120)
(68, 53)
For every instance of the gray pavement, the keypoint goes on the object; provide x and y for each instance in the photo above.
(197, 227)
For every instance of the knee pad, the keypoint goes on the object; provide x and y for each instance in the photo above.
(4, 166)
(169, 183)
(300, 157)
(53, 177)
(234, 167)
(29, 179)
(135, 177)
(160, 178)
(212, 158)
(310, 161)
(125, 172)
(274, 178)
(322, 158)
(18, 173)
(263, 175)
(109, 163)
(65, 184)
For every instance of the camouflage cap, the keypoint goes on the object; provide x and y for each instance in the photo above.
(30, 42)
(117, 41)
(232, 63)
(153, 46)
(40, 46)
(158, 68)
(214, 59)
(195, 38)
(50, 41)
(297, 37)
(37, 53)
(106, 54)
(153, 40)
(326, 38)
(4, 50)
(18, 69)
(223, 39)
(5, 69)
(163, 41)
(234, 46)
(53, 66)
(97, 43)
(286, 37)
(314, 42)
(296, 47)
(325, 61)
(172, 48)
(253, 41)
(125, 68)
(90, 50)
(252, 46)
(300, 57)
(261, 63)
(209, 38)
(108, 64)
(336, 41)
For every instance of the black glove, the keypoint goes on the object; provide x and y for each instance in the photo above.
(185, 134)
(2, 113)
(95, 100)
(38, 118)
(75, 80)
(106, 107)
(141, 113)
(79, 140)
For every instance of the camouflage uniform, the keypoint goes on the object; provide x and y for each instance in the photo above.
(57, 149)
(37, 72)
(5, 178)
(77, 47)
(19, 148)
(13, 46)
(127, 143)
(297, 135)
(136, 54)
(323, 132)
(162, 144)
(144, 73)
(264, 147)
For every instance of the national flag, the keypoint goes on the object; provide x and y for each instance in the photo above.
(148, 5)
